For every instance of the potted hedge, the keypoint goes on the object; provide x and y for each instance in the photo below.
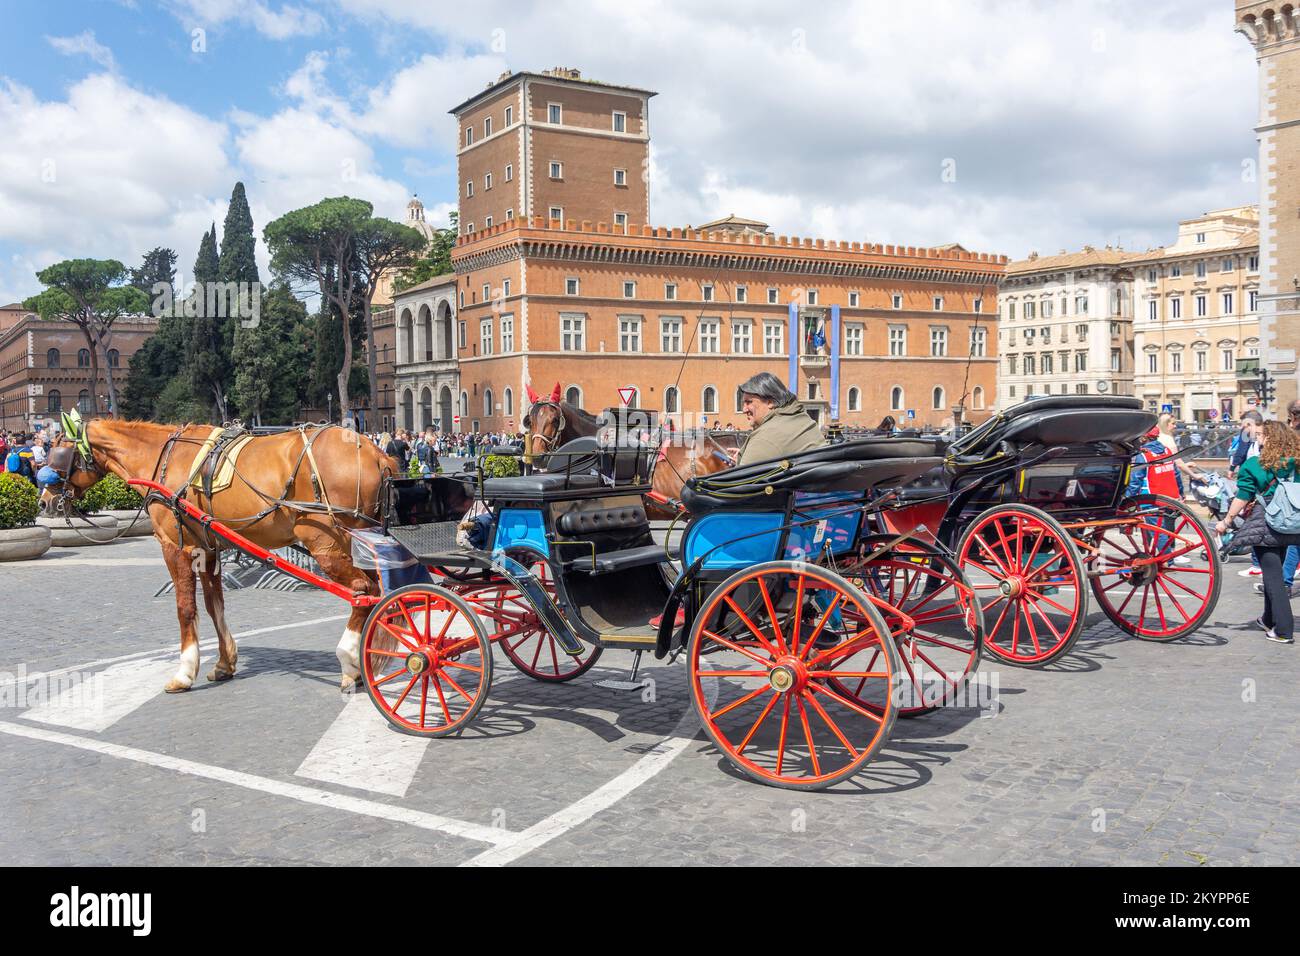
(113, 496)
(85, 526)
(21, 538)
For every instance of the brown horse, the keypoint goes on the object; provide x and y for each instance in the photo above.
(682, 455)
(334, 473)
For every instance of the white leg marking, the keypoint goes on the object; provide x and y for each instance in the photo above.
(189, 666)
(225, 640)
(349, 653)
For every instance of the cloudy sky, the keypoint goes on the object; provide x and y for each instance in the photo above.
(1005, 125)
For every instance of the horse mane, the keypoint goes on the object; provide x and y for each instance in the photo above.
(580, 414)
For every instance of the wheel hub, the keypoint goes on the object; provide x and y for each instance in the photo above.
(1012, 586)
(418, 662)
(790, 674)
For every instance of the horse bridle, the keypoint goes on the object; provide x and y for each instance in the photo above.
(550, 443)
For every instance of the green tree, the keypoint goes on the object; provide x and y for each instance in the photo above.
(436, 260)
(318, 244)
(91, 294)
(267, 366)
(157, 267)
(238, 265)
(209, 353)
(382, 246)
(162, 356)
(178, 403)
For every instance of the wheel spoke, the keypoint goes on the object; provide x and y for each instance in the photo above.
(752, 628)
(761, 717)
(736, 703)
(835, 729)
(771, 614)
(818, 688)
(398, 702)
(780, 746)
(736, 647)
(807, 734)
(812, 638)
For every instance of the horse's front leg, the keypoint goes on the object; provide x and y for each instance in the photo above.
(180, 565)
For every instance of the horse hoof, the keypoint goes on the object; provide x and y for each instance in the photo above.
(348, 685)
(176, 687)
(220, 675)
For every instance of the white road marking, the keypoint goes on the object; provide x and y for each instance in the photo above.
(106, 562)
(159, 651)
(293, 791)
(102, 699)
(361, 750)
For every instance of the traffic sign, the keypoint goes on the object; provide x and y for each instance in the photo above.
(1214, 413)
(455, 419)
(911, 413)
(1167, 408)
(626, 394)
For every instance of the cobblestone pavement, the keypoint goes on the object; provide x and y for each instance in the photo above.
(1126, 752)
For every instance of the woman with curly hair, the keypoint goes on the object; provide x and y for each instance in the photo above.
(1257, 482)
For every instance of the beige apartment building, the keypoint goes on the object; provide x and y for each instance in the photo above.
(1066, 325)
(1273, 29)
(1197, 329)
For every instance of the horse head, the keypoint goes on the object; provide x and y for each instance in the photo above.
(543, 425)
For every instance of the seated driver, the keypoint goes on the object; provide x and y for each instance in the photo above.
(781, 424)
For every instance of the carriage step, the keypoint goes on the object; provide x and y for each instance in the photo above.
(631, 683)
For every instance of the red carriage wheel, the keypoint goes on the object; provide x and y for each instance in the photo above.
(1156, 572)
(426, 660)
(531, 648)
(940, 632)
(1029, 579)
(766, 652)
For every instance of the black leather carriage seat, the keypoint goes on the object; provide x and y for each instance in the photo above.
(604, 525)
(538, 485)
(578, 523)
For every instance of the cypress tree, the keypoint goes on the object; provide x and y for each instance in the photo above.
(209, 354)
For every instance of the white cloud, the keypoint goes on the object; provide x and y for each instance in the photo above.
(279, 23)
(84, 43)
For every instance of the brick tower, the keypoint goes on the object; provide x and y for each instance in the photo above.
(1273, 29)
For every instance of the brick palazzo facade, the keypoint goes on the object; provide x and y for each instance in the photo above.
(559, 279)
(45, 366)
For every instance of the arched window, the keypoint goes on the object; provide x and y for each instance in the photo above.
(740, 399)
(977, 398)
(426, 408)
(55, 401)
(52, 358)
(426, 332)
(487, 401)
(83, 402)
(709, 403)
(464, 404)
(83, 358)
(510, 402)
(896, 399)
(114, 358)
(406, 338)
(938, 397)
(670, 400)
(573, 395)
(408, 410)
(855, 400)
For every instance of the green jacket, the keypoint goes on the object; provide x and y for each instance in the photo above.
(1254, 479)
(787, 430)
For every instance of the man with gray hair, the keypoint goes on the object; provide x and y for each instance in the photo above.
(781, 425)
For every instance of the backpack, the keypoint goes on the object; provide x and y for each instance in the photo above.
(12, 463)
(1282, 511)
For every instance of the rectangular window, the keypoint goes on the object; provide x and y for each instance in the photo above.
(571, 286)
(706, 292)
(1030, 368)
(852, 340)
(1200, 269)
(487, 181)
(978, 342)
(573, 332)
(1030, 310)
(1151, 275)
(620, 177)
(1081, 361)
(1176, 270)
(1202, 306)
(1047, 363)
(1228, 360)
(629, 289)
(853, 300)
(773, 338)
(505, 288)
(772, 296)
(620, 220)
(620, 122)
(510, 172)
(1065, 306)
(1254, 263)
(898, 340)
(557, 170)
(1227, 303)
(670, 290)
(1114, 360)
(1153, 361)
(469, 188)
(1047, 308)
(742, 294)
(1254, 300)
(487, 223)
(709, 336)
(979, 306)
(1202, 361)
(510, 115)
(670, 334)
(897, 301)
(553, 114)
(485, 336)
(629, 333)
(556, 213)
(487, 126)
(507, 333)
(510, 214)
(1225, 265)
(812, 296)
(460, 334)
(1176, 307)
(1153, 310)
(938, 303)
(469, 135)
(742, 331)
(1011, 364)
(487, 292)
(1175, 361)
(1012, 391)
(1200, 237)
(938, 341)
